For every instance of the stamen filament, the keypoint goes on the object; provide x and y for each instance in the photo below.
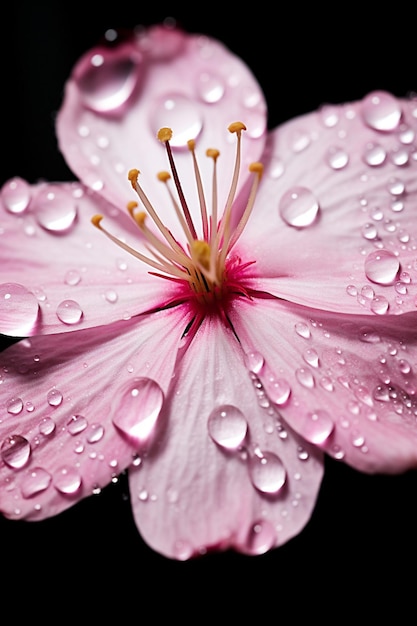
(257, 169)
(203, 208)
(164, 177)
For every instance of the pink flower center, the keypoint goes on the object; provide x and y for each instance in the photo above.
(207, 273)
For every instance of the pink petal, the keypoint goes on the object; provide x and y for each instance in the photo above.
(353, 379)
(76, 409)
(195, 490)
(118, 97)
(364, 235)
(55, 256)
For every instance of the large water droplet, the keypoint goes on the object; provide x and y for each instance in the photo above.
(15, 451)
(16, 195)
(227, 426)
(317, 427)
(182, 115)
(278, 390)
(54, 397)
(14, 406)
(69, 312)
(381, 111)
(382, 267)
(55, 210)
(261, 537)
(298, 207)
(108, 80)
(67, 480)
(19, 310)
(254, 361)
(138, 409)
(35, 481)
(76, 424)
(267, 472)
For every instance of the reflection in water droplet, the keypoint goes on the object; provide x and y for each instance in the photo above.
(55, 210)
(254, 361)
(227, 426)
(267, 472)
(76, 424)
(72, 278)
(317, 427)
(299, 207)
(210, 87)
(374, 154)
(16, 195)
(35, 481)
(381, 111)
(109, 80)
(14, 406)
(182, 115)
(305, 377)
(67, 480)
(302, 329)
(46, 426)
(138, 408)
(337, 158)
(54, 397)
(19, 310)
(382, 266)
(69, 312)
(15, 451)
(95, 433)
(278, 390)
(261, 537)
(379, 305)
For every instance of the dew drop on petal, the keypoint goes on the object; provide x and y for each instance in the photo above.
(107, 82)
(55, 210)
(374, 154)
(379, 305)
(69, 312)
(311, 357)
(46, 426)
(94, 433)
(210, 87)
(15, 451)
(16, 195)
(381, 267)
(227, 427)
(19, 310)
(267, 472)
(278, 390)
(179, 113)
(317, 427)
(381, 111)
(299, 207)
(337, 158)
(35, 481)
(303, 330)
(305, 377)
(254, 361)
(54, 397)
(76, 424)
(138, 408)
(67, 480)
(72, 278)
(261, 537)
(14, 406)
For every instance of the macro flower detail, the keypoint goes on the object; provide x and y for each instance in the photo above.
(215, 328)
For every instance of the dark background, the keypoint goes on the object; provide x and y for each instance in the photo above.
(359, 550)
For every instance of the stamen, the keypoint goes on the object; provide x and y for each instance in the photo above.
(164, 135)
(203, 208)
(164, 177)
(257, 169)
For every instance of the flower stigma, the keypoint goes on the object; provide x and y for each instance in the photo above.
(207, 274)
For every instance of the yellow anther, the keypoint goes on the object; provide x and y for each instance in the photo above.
(213, 153)
(191, 144)
(133, 177)
(131, 206)
(96, 219)
(140, 218)
(236, 127)
(164, 134)
(202, 252)
(163, 176)
(257, 168)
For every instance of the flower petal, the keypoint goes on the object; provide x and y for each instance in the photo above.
(226, 473)
(118, 97)
(75, 276)
(336, 212)
(75, 409)
(353, 379)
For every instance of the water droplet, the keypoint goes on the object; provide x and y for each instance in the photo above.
(278, 390)
(374, 154)
(369, 231)
(67, 480)
(111, 296)
(76, 424)
(227, 426)
(108, 80)
(267, 472)
(382, 266)
(298, 207)
(302, 330)
(16, 195)
(254, 361)
(72, 278)
(95, 433)
(337, 158)
(369, 335)
(261, 537)
(69, 312)
(19, 310)
(55, 210)
(317, 427)
(329, 115)
(35, 481)
(182, 115)
(46, 426)
(138, 408)
(305, 377)
(15, 451)
(210, 88)
(379, 305)
(14, 406)
(381, 111)
(54, 397)
(311, 357)
(396, 187)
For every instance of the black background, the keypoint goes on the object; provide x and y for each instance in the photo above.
(359, 550)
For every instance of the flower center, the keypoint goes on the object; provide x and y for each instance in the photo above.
(204, 266)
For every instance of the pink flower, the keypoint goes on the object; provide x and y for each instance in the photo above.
(218, 349)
